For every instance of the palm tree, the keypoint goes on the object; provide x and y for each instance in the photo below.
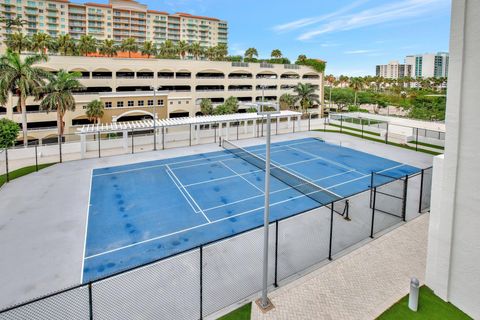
(356, 84)
(57, 96)
(18, 42)
(149, 49)
(250, 53)
(168, 49)
(331, 81)
(196, 50)
(129, 45)
(41, 42)
(306, 95)
(301, 58)
(20, 78)
(277, 54)
(182, 48)
(108, 48)
(95, 110)
(87, 44)
(211, 53)
(221, 52)
(287, 101)
(65, 44)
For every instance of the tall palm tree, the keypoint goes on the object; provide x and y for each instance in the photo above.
(276, 54)
(301, 58)
(149, 49)
(211, 53)
(221, 51)
(287, 101)
(196, 50)
(108, 48)
(95, 110)
(356, 84)
(65, 44)
(250, 53)
(18, 42)
(41, 42)
(57, 96)
(19, 77)
(331, 81)
(182, 48)
(168, 49)
(129, 45)
(305, 94)
(87, 44)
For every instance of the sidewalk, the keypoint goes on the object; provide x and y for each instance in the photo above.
(359, 285)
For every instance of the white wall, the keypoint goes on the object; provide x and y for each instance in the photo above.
(453, 261)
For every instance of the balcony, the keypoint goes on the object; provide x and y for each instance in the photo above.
(240, 88)
(266, 88)
(210, 75)
(125, 75)
(209, 88)
(165, 75)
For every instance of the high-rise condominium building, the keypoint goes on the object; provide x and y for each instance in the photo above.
(429, 65)
(394, 70)
(117, 20)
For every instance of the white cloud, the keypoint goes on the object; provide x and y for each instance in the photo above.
(358, 51)
(336, 21)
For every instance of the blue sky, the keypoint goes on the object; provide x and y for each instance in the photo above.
(351, 35)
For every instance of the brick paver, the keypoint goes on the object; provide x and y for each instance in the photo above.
(359, 285)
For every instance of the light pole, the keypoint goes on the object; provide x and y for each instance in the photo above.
(154, 119)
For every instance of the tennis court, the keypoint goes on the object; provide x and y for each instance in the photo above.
(145, 211)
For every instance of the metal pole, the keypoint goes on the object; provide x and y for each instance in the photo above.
(341, 123)
(405, 195)
(386, 135)
(133, 150)
(201, 282)
(6, 164)
(190, 140)
(331, 233)
(416, 139)
(155, 120)
(361, 121)
(373, 211)
(238, 125)
(421, 192)
(36, 157)
(99, 154)
(309, 118)
(90, 301)
(276, 253)
(266, 218)
(60, 147)
(163, 138)
(215, 132)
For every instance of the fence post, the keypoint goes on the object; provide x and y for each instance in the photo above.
(36, 157)
(133, 150)
(215, 132)
(309, 118)
(371, 189)
(6, 164)
(361, 121)
(416, 139)
(90, 300)
(60, 147)
(324, 124)
(276, 126)
(421, 192)
(373, 211)
(163, 138)
(201, 282)
(99, 145)
(293, 130)
(276, 254)
(331, 233)
(238, 125)
(405, 194)
(341, 123)
(190, 136)
(386, 135)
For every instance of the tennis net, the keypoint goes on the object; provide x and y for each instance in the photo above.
(310, 189)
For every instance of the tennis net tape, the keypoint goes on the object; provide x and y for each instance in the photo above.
(309, 189)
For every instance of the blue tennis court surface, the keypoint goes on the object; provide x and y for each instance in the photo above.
(145, 211)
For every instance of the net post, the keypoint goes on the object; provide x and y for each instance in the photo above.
(60, 147)
(201, 282)
(133, 150)
(163, 138)
(6, 165)
(405, 194)
(219, 141)
(373, 211)
(36, 156)
(99, 146)
(190, 136)
(331, 233)
(371, 189)
(421, 191)
(90, 301)
(276, 254)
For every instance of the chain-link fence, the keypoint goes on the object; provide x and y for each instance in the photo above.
(211, 276)
(425, 190)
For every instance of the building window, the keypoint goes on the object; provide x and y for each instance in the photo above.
(141, 103)
(119, 104)
(108, 104)
(160, 102)
(130, 103)
(187, 102)
(179, 102)
(150, 102)
(171, 102)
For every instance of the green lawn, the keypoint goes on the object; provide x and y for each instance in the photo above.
(242, 313)
(22, 172)
(427, 145)
(355, 129)
(430, 307)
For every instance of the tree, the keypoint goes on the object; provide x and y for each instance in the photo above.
(276, 54)
(222, 109)
(95, 110)
(18, 42)
(149, 49)
(65, 44)
(41, 42)
(380, 103)
(129, 45)
(211, 53)
(301, 58)
(342, 98)
(87, 44)
(221, 51)
(8, 132)
(232, 104)
(19, 77)
(168, 49)
(250, 53)
(57, 95)
(108, 48)
(196, 50)
(287, 101)
(305, 95)
(206, 107)
(182, 48)
(356, 84)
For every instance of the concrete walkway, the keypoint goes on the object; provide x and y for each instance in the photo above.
(359, 285)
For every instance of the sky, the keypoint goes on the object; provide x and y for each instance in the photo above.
(351, 35)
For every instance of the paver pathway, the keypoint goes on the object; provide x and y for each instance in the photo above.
(359, 285)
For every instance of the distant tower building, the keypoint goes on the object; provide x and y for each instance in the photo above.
(430, 65)
(394, 70)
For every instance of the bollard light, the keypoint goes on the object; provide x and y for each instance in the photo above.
(413, 297)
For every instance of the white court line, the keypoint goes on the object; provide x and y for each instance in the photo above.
(189, 195)
(239, 175)
(181, 191)
(86, 227)
(326, 160)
